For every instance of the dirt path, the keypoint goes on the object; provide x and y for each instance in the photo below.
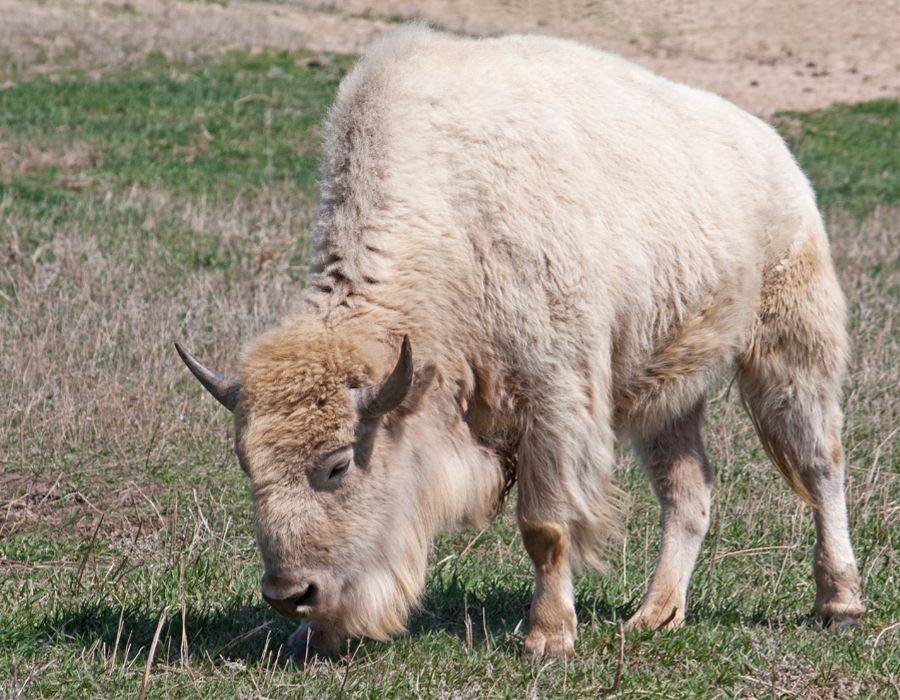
(765, 55)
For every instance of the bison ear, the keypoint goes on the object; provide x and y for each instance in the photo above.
(223, 390)
(382, 398)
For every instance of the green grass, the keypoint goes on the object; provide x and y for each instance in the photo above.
(173, 200)
(218, 130)
(243, 122)
(850, 152)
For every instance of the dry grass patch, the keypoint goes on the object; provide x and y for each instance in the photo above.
(87, 323)
(27, 159)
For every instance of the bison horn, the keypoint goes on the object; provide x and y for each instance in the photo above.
(223, 390)
(385, 396)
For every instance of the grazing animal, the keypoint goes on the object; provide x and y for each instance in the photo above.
(526, 248)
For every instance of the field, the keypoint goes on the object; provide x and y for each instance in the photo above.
(169, 197)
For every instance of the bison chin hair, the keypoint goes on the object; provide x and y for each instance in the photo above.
(462, 485)
(378, 601)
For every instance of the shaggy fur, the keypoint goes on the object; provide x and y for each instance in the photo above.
(576, 248)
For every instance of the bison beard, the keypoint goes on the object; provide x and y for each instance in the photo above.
(576, 249)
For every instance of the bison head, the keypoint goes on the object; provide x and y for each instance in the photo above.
(350, 476)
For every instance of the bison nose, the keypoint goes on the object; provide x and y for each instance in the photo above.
(291, 599)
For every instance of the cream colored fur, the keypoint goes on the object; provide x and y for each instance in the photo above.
(577, 248)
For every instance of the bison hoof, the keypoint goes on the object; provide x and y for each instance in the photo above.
(541, 643)
(656, 618)
(308, 643)
(840, 615)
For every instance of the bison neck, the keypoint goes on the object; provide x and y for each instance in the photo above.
(460, 482)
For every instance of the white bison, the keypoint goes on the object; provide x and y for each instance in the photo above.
(565, 249)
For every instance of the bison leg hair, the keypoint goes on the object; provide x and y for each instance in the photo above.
(682, 479)
(790, 380)
(552, 617)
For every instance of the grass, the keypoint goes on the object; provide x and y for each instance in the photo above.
(851, 152)
(242, 122)
(173, 201)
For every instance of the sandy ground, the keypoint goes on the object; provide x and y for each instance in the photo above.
(765, 55)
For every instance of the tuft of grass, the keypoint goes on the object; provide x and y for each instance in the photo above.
(123, 227)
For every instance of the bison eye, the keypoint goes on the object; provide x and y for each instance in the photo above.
(339, 470)
(330, 467)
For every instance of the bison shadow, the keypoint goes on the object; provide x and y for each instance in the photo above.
(498, 615)
(246, 631)
(237, 631)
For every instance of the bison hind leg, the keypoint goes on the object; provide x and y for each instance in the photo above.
(790, 381)
(681, 476)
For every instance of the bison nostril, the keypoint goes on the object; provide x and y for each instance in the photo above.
(308, 597)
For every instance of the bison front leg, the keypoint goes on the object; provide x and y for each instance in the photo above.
(567, 508)
(552, 618)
